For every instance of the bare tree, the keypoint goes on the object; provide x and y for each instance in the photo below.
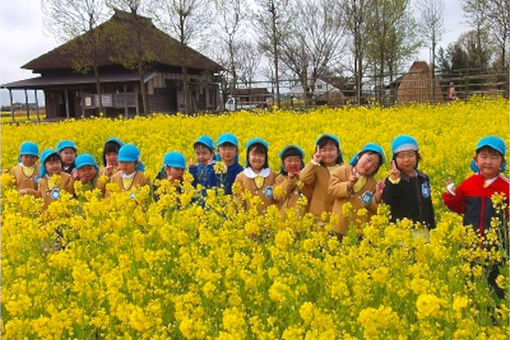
(355, 14)
(77, 19)
(187, 20)
(313, 43)
(272, 22)
(431, 19)
(229, 26)
(249, 60)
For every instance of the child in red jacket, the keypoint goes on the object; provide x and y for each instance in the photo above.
(473, 197)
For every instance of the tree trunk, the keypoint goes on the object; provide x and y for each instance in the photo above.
(142, 90)
(276, 57)
(98, 88)
(185, 90)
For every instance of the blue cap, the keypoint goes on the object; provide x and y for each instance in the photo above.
(130, 153)
(328, 135)
(63, 144)
(174, 159)
(44, 156)
(115, 140)
(256, 140)
(368, 147)
(227, 138)
(292, 146)
(207, 141)
(495, 143)
(85, 159)
(29, 149)
(404, 143)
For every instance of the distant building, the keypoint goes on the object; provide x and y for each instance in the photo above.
(72, 94)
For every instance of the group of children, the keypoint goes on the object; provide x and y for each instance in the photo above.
(326, 181)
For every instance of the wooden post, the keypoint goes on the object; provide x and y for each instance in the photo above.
(125, 102)
(12, 105)
(26, 105)
(66, 99)
(136, 96)
(82, 104)
(36, 105)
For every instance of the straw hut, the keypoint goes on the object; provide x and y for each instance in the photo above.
(416, 85)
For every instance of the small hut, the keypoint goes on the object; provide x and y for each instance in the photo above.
(416, 85)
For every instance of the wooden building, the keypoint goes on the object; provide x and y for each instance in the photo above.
(69, 93)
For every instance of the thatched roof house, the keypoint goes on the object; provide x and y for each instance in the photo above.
(415, 86)
(69, 93)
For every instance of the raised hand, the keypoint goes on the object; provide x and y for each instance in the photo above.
(449, 184)
(379, 188)
(352, 179)
(394, 171)
(191, 163)
(318, 155)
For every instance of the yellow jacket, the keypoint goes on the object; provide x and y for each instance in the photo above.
(25, 182)
(246, 179)
(363, 198)
(65, 183)
(287, 191)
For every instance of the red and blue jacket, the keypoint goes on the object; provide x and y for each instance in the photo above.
(473, 199)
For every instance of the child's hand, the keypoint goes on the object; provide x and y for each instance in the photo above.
(23, 191)
(352, 179)
(294, 174)
(5, 171)
(170, 178)
(394, 171)
(318, 155)
(191, 163)
(74, 174)
(108, 170)
(379, 189)
(450, 186)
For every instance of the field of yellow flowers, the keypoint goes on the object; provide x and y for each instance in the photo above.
(121, 268)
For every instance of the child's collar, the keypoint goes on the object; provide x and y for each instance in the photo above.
(28, 167)
(123, 175)
(248, 172)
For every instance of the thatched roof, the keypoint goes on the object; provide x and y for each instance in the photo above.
(117, 40)
(416, 85)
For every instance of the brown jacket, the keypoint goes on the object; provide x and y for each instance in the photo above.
(248, 184)
(65, 183)
(363, 198)
(25, 182)
(139, 180)
(290, 191)
(317, 178)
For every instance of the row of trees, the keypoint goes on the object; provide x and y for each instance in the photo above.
(300, 39)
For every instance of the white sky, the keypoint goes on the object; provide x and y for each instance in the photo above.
(22, 38)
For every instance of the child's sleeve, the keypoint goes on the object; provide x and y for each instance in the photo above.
(282, 188)
(308, 174)
(391, 192)
(455, 202)
(338, 184)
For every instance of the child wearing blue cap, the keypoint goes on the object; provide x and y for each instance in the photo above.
(473, 196)
(110, 154)
(355, 183)
(227, 149)
(88, 173)
(174, 165)
(257, 178)
(203, 172)
(407, 189)
(316, 174)
(67, 151)
(50, 189)
(25, 173)
(131, 170)
(288, 187)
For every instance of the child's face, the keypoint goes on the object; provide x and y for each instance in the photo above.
(53, 166)
(406, 161)
(111, 158)
(203, 153)
(368, 164)
(488, 162)
(256, 159)
(227, 153)
(127, 167)
(292, 164)
(329, 154)
(174, 173)
(68, 155)
(86, 173)
(28, 160)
